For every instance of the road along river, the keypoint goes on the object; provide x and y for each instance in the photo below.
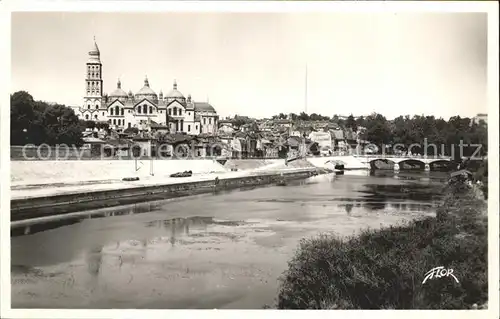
(206, 251)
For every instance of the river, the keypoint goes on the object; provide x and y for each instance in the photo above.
(222, 250)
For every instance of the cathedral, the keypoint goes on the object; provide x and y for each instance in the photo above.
(124, 110)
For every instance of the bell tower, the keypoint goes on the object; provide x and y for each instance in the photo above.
(93, 81)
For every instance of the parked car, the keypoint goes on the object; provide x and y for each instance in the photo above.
(182, 174)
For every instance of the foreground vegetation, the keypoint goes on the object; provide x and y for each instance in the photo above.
(384, 269)
(481, 175)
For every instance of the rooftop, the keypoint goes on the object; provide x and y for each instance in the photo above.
(93, 140)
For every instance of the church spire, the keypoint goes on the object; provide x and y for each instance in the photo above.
(175, 84)
(146, 82)
(94, 54)
(95, 49)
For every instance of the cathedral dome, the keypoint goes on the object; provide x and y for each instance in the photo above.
(146, 91)
(174, 93)
(118, 92)
(204, 107)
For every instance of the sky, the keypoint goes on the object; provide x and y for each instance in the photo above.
(254, 64)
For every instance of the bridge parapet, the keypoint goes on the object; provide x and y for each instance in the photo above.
(404, 156)
(398, 159)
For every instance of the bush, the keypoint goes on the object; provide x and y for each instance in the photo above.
(131, 130)
(88, 124)
(385, 268)
(481, 175)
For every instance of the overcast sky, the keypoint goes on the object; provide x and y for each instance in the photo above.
(254, 64)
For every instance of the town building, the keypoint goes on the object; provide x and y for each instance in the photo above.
(226, 126)
(324, 140)
(124, 110)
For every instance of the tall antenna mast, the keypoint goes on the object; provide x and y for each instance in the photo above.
(305, 95)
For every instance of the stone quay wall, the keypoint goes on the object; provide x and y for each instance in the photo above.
(27, 208)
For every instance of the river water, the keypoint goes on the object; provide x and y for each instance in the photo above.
(209, 251)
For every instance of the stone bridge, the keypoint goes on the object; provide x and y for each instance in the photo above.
(425, 161)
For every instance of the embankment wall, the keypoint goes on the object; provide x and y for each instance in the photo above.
(74, 171)
(67, 203)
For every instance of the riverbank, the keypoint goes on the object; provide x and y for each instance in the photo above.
(30, 174)
(47, 201)
(384, 269)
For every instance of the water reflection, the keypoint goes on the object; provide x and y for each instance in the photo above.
(438, 176)
(389, 207)
(175, 228)
(348, 208)
(185, 223)
(414, 192)
(132, 209)
(404, 198)
(94, 260)
(35, 228)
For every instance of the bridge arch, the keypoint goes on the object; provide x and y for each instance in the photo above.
(372, 162)
(440, 163)
(335, 162)
(412, 161)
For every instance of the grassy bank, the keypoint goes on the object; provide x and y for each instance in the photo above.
(384, 269)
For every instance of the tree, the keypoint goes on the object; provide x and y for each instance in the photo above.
(338, 120)
(255, 127)
(241, 120)
(314, 117)
(360, 121)
(442, 137)
(22, 117)
(88, 124)
(317, 117)
(303, 116)
(102, 125)
(351, 123)
(377, 130)
(36, 122)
